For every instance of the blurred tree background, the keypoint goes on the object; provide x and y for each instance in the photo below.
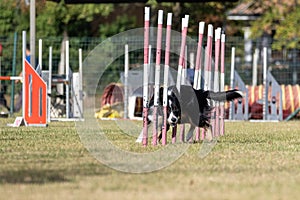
(101, 20)
(88, 24)
(55, 18)
(281, 20)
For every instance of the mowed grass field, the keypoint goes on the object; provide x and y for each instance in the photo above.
(252, 161)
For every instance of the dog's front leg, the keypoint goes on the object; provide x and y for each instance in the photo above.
(189, 137)
(161, 131)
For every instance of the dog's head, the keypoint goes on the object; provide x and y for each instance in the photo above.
(174, 108)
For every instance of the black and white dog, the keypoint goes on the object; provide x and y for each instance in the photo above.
(190, 106)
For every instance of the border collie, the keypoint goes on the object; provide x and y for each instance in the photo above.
(190, 106)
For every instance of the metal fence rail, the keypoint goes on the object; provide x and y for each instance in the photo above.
(284, 64)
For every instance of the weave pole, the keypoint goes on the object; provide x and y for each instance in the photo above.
(67, 79)
(183, 69)
(222, 84)
(231, 110)
(157, 76)
(266, 84)
(126, 69)
(40, 53)
(198, 67)
(166, 78)
(207, 65)
(215, 122)
(181, 74)
(49, 85)
(145, 80)
(185, 22)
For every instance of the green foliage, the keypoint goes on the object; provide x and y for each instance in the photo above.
(10, 17)
(288, 32)
(267, 23)
(52, 19)
(75, 20)
(210, 12)
(121, 24)
(280, 20)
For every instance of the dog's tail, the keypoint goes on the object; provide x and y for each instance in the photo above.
(225, 96)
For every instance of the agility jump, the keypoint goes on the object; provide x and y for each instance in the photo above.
(34, 92)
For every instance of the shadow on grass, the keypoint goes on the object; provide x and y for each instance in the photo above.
(32, 176)
(39, 176)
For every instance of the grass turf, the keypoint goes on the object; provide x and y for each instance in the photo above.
(252, 161)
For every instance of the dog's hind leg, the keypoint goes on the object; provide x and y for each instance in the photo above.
(189, 136)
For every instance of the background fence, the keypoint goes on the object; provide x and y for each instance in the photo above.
(284, 64)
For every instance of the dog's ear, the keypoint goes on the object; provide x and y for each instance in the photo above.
(173, 91)
(161, 94)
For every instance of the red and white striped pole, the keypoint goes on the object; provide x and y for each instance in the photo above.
(10, 78)
(208, 60)
(198, 66)
(222, 84)
(216, 128)
(166, 78)
(145, 80)
(184, 61)
(207, 66)
(157, 75)
(181, 74)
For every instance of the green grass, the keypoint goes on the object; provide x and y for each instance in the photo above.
(252, 161)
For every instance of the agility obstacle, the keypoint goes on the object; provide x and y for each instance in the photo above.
(37, 85)
(34, 94)
(157, 76)
(72, 81)
(197, 84)
(290, 95)
(181, 72)
(145, 77)
(207, 78)
(222, 83)
(34, 97)
(269, 96)
(207, 83)
(241, 112)
(216, 84)
(166, 78)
